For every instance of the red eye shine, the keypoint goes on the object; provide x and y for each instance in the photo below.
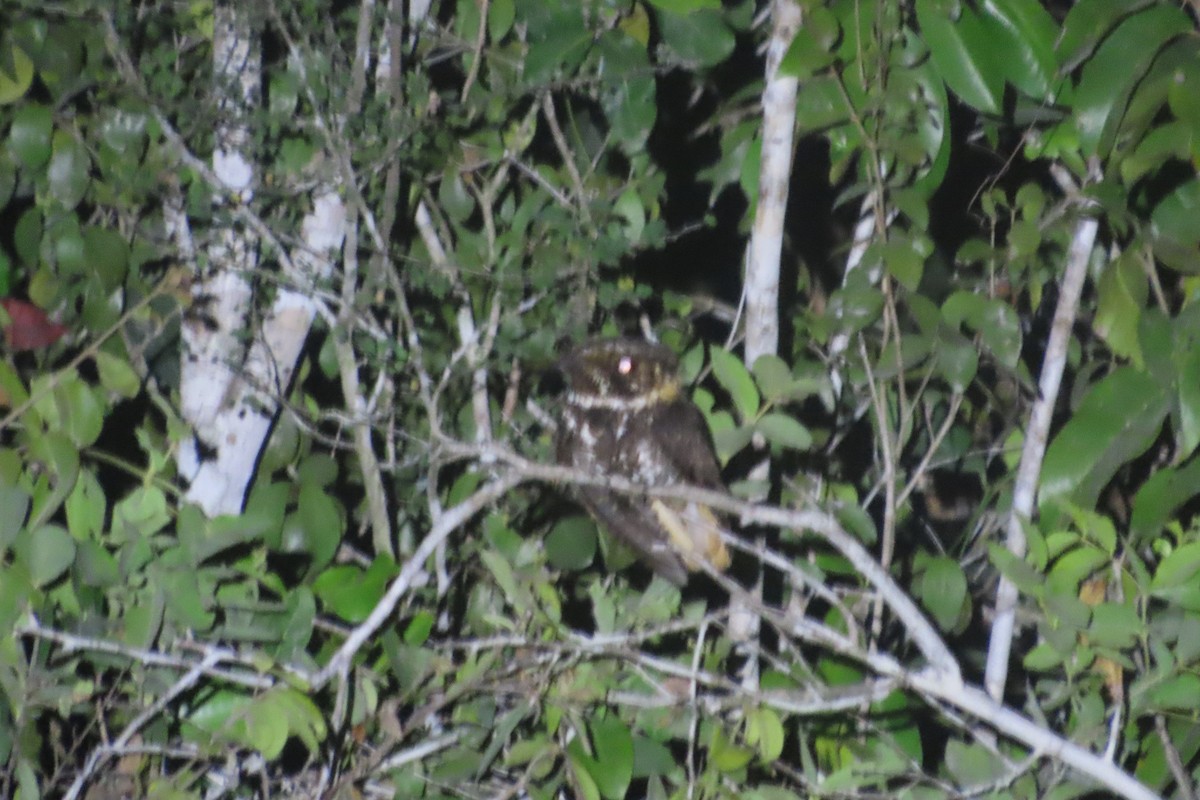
(625, 365)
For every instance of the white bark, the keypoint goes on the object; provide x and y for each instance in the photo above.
(229, 391)
(766, 247)
(1037, 434)
(775, 170)
(212, 341)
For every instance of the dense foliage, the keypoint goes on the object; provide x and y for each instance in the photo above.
(521, 173)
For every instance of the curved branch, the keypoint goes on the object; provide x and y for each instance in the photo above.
(1037, 435)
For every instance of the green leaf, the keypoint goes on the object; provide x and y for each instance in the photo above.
(303, 717)
(1117, 420)
(943, 591)
(1111, 74)
(296, 626)
(773, 376)
(1160, 497)
(502, 571)
(283, 93)
(14, 506)
(973, 764)
(612, 768)
(729, 441)
(1001, 332)
(46, 553)
(13, 85)
(571, 543)
(1121, 296)
(117, 375)
(764, 730)
(957, 360)
(631, 108)
(262, 519)
(321, 518)
(905, 263)
(107, 255)
(783, 431)
(1178, 568)
(68, 246)
(419, 628)
(1075, 566)
(501, 15)
(29, 135)
(1086, 24)
(124, 130)
(60, 60)
(1177, 693)
(213, 711)
(60, 457)
(821, 104)
(725, 755)
(1042, 658)
(141, 513)
(1115, 625)
(264, 727)
(86, 507)
(558, 41)
(1025, 33)
(1187, 359)
(964, 54)
(351, 592)
(734, 378)
(1169, 142)
(630, 209)
(454, 198)
(1173, 228)
(1183, 95)
(1015, 569)
(964, 307)
(27, 236)
(700, 37)
(814, 46)
(651, 758)
(68, 170)
(855, 308)
(95, 566)
(585, 783)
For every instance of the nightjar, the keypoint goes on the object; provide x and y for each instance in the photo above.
(624, 414)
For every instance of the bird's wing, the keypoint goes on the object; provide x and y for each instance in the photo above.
(682, 433)
(635, 526)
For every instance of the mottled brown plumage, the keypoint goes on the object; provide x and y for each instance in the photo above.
(624, 414)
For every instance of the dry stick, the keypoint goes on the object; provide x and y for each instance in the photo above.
(922, 632)
(477, 51)
(447, 523)
(974, 701)
(1036, 437)
(364, 449)
(102, 752)
(1174, 762)
(568, 157)
(247, 676)
(886, 444)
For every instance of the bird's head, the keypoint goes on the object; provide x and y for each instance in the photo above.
(620, 373)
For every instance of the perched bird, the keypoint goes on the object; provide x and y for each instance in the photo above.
(624, 414)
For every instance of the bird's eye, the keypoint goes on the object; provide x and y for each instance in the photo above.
(625, 365)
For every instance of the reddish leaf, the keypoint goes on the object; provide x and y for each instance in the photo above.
(29, 327)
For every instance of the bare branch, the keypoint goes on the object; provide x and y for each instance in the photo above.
(1037, 434)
